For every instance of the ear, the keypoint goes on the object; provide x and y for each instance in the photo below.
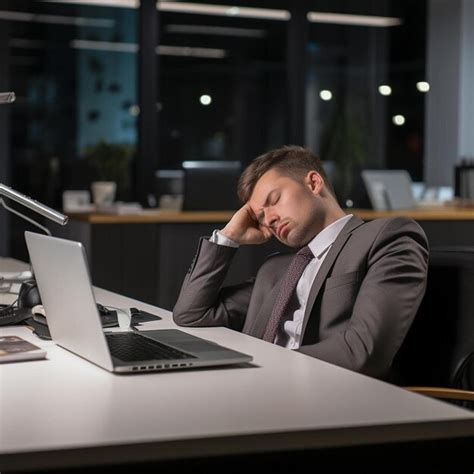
(314, 182)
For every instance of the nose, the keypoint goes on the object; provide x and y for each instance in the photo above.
(270, 218)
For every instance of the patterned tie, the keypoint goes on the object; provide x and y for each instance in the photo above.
(288, 285)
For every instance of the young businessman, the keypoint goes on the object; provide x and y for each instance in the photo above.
(348, 297)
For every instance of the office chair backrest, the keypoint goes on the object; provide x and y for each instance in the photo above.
(439, 347)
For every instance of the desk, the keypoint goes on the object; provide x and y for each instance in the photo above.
(66, 412)
(12, 265)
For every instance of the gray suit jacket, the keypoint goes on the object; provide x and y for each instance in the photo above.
(360, 307)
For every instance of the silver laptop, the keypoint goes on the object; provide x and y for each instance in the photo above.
(389, 189)
(62, 274)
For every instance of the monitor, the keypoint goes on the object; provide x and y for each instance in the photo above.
(211, 185)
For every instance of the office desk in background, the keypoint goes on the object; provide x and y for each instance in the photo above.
(146, 255)
(65, 412)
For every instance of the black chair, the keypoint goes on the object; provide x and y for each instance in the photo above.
(437, 356)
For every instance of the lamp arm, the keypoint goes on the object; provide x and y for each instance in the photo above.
(33, 205)
(8, 98)
(26, 218)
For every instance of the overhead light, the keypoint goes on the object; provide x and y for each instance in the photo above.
(104, 46)
(100, 3)
(56, 19)
(224, 10)
(212, 53)
(353, 20)
(385, 90)
(325, 95)
(423, 86)
(205, 99)
(398, 120)
(215, 30)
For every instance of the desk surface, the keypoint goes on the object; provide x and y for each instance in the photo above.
(440, 213)
(65, 411)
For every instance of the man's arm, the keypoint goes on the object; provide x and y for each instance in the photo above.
(202, 300)
(386, 304)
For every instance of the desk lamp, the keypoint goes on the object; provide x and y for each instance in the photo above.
(8, 98)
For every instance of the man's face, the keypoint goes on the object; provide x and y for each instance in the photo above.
(288, 207)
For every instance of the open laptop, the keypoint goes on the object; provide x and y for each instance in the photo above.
(62, 274)
(389, 189)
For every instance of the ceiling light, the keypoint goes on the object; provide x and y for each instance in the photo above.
(398, 120)
(353, 20)
(205, 99)
(325, 95)
(212, 53)
(100, 3)
(56, 19)
(104, 46)
(385, 90)
(224, 10)
(423, 86)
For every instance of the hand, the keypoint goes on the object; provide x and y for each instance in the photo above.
(245, 229)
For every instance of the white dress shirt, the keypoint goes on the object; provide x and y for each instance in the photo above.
(290, 335)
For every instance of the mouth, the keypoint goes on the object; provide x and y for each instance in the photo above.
(282, 230)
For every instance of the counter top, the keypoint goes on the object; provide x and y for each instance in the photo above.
(441, 213)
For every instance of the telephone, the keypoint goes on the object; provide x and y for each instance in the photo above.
(10, 314)
(28, 296)
(20, 309)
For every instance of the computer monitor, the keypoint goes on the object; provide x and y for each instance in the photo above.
(169, 182)
(211, 185)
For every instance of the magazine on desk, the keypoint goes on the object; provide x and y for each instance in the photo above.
(15, 348)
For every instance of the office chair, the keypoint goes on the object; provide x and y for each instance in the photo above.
(437, 357)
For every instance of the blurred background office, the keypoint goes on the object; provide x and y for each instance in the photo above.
(129, 90)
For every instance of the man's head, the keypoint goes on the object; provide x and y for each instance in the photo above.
(288, 191)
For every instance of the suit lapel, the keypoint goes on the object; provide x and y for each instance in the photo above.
(327, 265)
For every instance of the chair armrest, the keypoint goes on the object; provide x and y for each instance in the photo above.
(442, 392)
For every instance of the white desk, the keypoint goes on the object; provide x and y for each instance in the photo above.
(65, 411)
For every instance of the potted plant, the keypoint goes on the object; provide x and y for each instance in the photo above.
(109, 164)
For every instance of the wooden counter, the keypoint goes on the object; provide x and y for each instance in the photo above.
(443, 213)
(154, 217)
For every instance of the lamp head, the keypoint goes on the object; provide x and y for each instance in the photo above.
(7, 97)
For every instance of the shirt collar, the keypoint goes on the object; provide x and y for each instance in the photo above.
(320, 244)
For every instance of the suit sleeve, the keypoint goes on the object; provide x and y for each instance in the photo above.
(202, 300)
(386, 304)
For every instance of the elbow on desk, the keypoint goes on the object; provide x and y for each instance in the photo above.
(185, 317)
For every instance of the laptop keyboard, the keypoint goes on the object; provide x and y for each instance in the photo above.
(131, 347)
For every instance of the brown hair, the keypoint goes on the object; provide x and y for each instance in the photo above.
(291, 160)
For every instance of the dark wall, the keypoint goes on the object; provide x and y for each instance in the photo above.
(4, 134)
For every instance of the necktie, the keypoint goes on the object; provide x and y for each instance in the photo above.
(288, 285)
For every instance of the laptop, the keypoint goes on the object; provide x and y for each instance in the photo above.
(389, 189)
(62, 274)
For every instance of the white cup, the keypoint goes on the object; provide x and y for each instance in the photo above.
(103, 192)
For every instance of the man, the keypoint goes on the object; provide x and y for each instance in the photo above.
(350, 295)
